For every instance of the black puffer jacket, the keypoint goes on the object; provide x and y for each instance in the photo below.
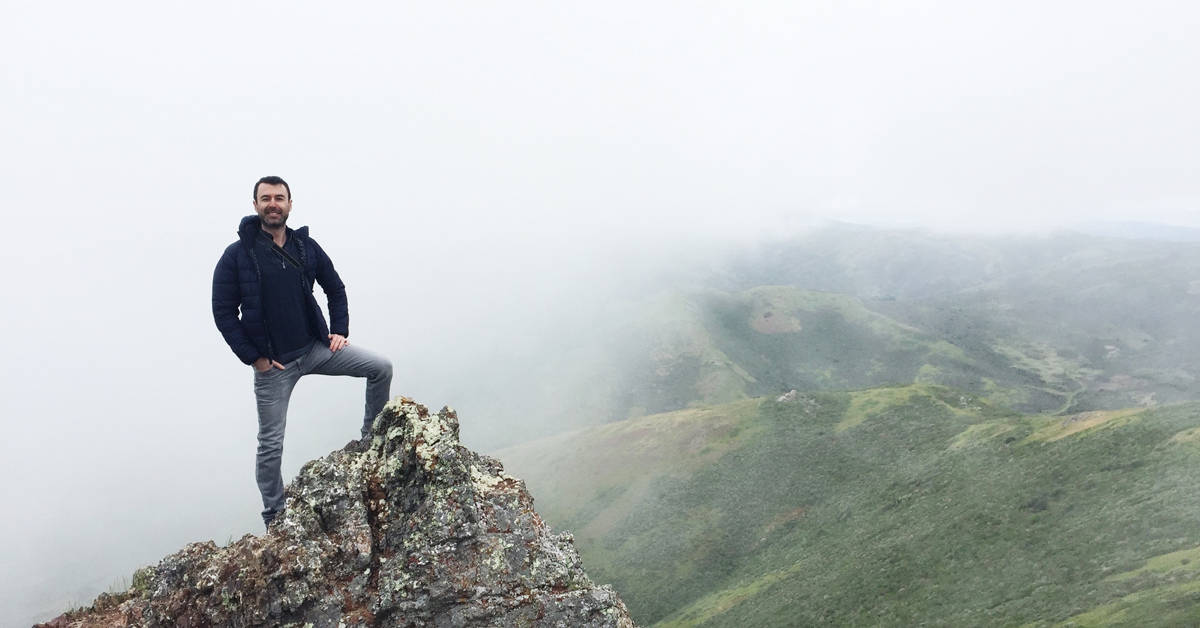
(236, 288)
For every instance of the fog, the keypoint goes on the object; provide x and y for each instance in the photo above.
(491, 182)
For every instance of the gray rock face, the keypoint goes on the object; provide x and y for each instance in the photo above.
(412, 529)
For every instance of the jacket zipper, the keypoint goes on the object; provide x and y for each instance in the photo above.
(261, 305)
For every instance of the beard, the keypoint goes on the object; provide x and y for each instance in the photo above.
(273, 220)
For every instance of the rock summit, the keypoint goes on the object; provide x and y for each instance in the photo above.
(407, 529)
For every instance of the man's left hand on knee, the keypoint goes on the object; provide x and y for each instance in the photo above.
(337, 341)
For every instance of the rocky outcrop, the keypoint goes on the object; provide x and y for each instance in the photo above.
(410, 529)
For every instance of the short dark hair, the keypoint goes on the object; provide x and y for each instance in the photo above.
(271, 180)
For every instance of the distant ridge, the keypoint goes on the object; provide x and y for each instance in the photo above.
(1140, 231)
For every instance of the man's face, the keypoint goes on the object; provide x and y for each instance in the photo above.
(273, 205)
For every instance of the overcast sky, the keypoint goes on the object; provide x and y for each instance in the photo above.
(472, 163)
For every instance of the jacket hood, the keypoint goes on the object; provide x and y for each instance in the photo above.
(251, 225)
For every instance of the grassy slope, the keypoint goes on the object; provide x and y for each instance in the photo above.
(1103, 323)
(885, 506)
(716, 347)
(1045, 325)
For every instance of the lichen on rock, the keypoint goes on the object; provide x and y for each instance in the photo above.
(408, 529)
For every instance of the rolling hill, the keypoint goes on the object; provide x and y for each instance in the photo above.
(1055, 324)
(890, 506)
(713, 347)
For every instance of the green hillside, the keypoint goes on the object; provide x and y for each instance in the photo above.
(891, 506)
(1045, 325)
(713, 347)
(1090, 322)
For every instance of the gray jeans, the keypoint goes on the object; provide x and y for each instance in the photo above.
(273, 389)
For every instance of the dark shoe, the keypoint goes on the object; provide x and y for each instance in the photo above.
(359, 446)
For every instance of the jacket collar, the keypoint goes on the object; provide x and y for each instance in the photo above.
(251, 226)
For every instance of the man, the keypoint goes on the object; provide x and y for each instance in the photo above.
(268, 276)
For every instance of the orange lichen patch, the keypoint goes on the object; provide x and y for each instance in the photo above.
(90, 618)
(773, 322)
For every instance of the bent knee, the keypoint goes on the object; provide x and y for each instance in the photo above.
(385, 369)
